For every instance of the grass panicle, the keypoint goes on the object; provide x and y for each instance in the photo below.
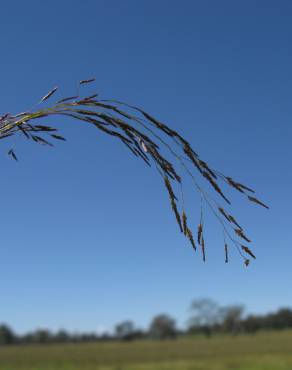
(148, 139)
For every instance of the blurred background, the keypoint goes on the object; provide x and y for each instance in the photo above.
(89, 247)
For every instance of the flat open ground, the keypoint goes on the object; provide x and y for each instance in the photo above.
(264, 351)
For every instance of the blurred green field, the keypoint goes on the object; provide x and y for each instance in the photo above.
(264, 351)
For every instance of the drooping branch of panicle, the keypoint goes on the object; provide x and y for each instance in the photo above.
(154, 143)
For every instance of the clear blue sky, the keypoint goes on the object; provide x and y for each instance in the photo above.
(87, 237)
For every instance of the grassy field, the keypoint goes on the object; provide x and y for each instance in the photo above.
(265, 351)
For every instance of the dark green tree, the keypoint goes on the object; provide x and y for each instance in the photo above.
(232, 319)
(163, 327)
(7, 336)
(62, 336)
(125, 330)
(42, 336)
(205, 315)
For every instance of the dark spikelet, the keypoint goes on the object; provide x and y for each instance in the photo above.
(238, 186)
(255, 200)
(115, 109)
(199, 235)
(223, 212)
(246, 262)
(233, 220)
(165, 165)
(41, 140)
(189, 235)
(67, 99)
(195, 162)
(240, 233)
(23, 131)
(215, 185)
(90, 112)
(226, 253)
(44, 128)
(12, 154)
(31, 127)
(169, 188)
(184, 222)
(131, 149)
(173, 203)
(82, 82)
(58, 137)
(176, 213)
(234, 184)
(207, 168)
(49, 94)
(245, 187)
(203, 249)
(188, 151)
(138, 149)
(158, 124)
(248, 251)
(138, 153)
(91, 97)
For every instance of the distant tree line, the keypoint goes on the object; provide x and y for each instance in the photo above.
(206, 318)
